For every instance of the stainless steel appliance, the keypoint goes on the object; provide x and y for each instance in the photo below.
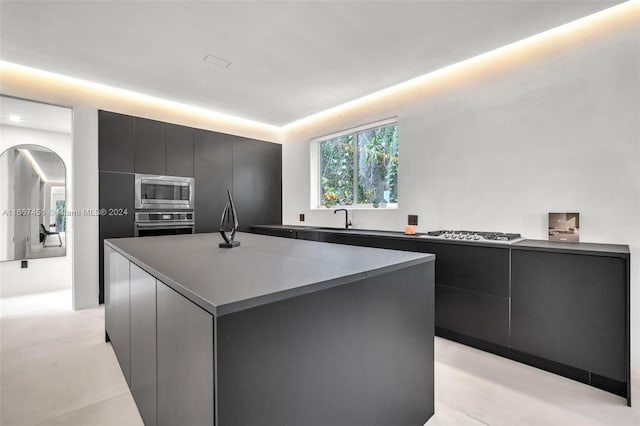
(495, 237)
(149, 224)
(164, 192)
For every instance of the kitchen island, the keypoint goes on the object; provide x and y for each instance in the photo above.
(274, 332)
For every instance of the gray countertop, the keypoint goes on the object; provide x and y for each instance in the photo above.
(526, 244)
(262, 270)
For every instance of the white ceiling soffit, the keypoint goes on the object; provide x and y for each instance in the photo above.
(50, 164)
(35, 115)
(288, 59)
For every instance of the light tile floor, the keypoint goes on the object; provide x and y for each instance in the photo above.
(55, 369)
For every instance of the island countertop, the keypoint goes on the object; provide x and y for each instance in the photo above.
(262, 270)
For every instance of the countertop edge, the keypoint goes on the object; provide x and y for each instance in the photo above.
(587, 248)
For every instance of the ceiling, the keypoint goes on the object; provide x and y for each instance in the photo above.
(49, 162)
(35, 115)
(288, 59)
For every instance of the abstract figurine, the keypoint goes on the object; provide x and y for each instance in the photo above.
(229, 215)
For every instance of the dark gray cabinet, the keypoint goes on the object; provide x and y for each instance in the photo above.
(185, 361)
(472, 289)
(257, 182)
(483, 269)
(150, 147)
(116, 197)
(571, 309)
(117, 319)
(213, 162)
(560, 307)
(115, 146)
(478, 315)
(179, 150)
(143, 343)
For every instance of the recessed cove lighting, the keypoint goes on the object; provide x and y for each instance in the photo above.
(214, 60)
(15, 118)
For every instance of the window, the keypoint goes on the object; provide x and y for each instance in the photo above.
(359, 168)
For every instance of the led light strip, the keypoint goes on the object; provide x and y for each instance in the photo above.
(34, 164)
(547, 38)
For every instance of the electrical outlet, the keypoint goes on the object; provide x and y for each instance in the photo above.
(301, 217)
(413, 220)
(24, 264)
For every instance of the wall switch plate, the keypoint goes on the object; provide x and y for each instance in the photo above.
(24, 264)
(301, 217)
(413, 220)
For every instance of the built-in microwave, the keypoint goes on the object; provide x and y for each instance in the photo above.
(164, 192)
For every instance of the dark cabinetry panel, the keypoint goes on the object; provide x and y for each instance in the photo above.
(116, 195)
(179, 150)
(150, 146)
(340, 356)
(571, 309)
(257, 182)
(185, 361)
(143, 343)
(381, 242)
(476, 268)
(115, 146)
(116, 316)
(473, 314)
(213, 161)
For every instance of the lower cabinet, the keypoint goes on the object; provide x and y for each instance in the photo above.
(143, 343)
(116, 308)
(185, 361)
(163, 343)
(482, 316)
(571, 309)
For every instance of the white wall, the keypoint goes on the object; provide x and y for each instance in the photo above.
(42, 274)
(499, 144)
(85, 183)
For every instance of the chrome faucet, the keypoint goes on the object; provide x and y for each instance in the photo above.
(347, 222)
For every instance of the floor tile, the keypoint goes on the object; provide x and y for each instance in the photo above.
(43, 382)
(118, 411)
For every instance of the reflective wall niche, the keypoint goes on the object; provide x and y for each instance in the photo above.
(32, 203)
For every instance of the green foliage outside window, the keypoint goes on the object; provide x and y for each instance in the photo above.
(360, 168)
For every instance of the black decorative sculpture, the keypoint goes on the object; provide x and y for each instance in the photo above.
(229, 215)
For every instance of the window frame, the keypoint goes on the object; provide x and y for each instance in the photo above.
(316, 180)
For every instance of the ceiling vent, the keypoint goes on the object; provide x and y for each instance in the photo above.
(218, 62)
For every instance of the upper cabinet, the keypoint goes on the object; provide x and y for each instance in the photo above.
(150, 147)
(257, 182)
(179, 150)
(115, 147)
(213, 161)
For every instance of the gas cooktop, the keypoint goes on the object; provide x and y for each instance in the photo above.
(497, 237)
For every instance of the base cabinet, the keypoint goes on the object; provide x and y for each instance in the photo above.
(561, 308)
(185, 361)
(571, 309)
(143, 343)
(117, 322)
(478, 315)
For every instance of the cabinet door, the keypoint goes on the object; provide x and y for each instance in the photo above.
(185, 361)
(150, 147)
(257, 182)
(143, 343)
(179, 150)
(571, 309)
(482, 269)
(116, 192)
(213, 156)
(115, 142)
(478, 315)
(116, 308)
